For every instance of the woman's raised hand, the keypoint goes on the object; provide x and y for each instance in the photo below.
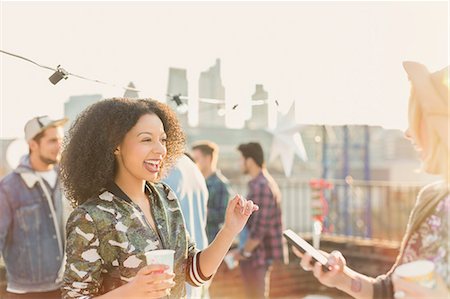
(238, 211)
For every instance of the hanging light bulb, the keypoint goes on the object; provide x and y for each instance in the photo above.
(58, 75)
(221, 111)
(182, 109)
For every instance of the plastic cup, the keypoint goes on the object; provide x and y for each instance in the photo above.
(163, 257)
(421, 272)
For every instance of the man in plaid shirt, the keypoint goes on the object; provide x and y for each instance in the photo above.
(264, 243)
(206, 154)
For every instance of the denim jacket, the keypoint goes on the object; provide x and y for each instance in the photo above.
(31, 231)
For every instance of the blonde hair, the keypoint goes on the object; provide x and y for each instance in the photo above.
(437, 160)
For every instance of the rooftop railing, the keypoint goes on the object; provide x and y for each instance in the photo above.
(367, 209)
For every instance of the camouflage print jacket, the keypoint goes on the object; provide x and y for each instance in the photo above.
(107, 237)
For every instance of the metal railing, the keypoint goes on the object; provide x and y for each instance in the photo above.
(377, 210)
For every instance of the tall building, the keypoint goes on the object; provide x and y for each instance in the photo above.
(131, 92)
(177, 89)
(260, 111)
(76, 104)
(210, 87)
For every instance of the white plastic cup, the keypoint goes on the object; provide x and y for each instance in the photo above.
(420, 271)
(163, 257)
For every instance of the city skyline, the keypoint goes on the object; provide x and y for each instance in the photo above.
(340, 62)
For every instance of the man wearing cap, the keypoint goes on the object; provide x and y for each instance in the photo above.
(32, 215)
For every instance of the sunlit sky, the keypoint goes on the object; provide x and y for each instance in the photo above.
(339, 61)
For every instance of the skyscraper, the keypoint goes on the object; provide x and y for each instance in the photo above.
(260, 112)
(210, 87)
(177, 88)
(131, 92)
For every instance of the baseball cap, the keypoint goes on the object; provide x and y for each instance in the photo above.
(39, 124)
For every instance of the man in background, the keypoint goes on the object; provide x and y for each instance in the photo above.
(189, 185)
(206, 155)
(33, 215)
(264, 241)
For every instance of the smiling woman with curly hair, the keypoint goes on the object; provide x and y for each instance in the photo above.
(88, 161)
(115, 154)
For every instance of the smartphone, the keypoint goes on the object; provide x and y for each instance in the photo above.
(304, 246)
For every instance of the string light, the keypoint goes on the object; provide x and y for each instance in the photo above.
(182, 108)
(60, 73)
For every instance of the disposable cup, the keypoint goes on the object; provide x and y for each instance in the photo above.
(420, 271)
(164, 257)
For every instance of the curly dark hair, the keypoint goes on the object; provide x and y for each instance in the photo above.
(88, 162)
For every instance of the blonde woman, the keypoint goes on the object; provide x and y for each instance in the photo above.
(427, 231)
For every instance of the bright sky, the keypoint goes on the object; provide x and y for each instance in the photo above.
(340, 61)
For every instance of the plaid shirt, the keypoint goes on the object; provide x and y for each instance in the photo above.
(219, 192)
(265, 225)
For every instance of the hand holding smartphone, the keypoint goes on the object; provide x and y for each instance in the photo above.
(303, 246)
